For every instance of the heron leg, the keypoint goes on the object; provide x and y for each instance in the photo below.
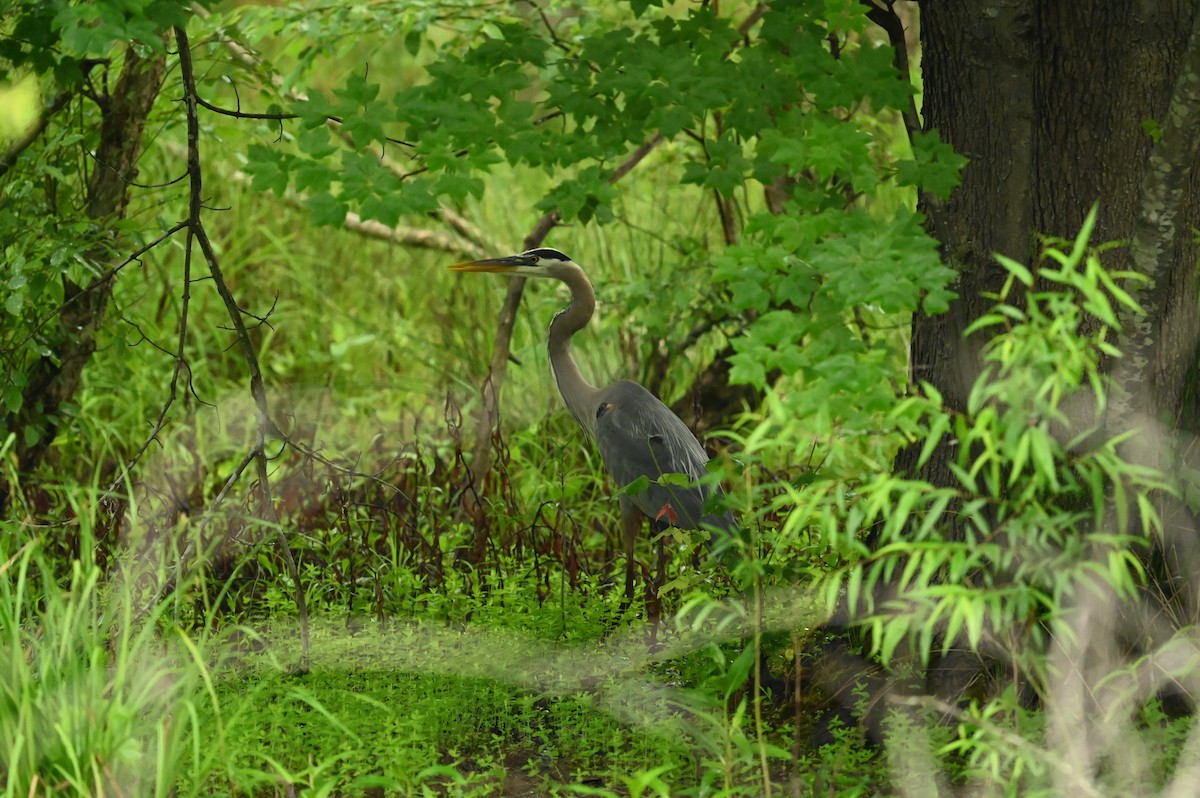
(653, 602)
(661, 576)
(631, 522)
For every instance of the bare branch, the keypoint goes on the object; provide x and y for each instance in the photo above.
(886, 17)
(398, 235)
(96, 285)
(264, 425)
(414, 236)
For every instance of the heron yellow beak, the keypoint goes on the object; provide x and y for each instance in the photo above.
(506, 264)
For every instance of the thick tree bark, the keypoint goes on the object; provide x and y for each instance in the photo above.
(1051, 103)
(55, 380)
(1055, 104)
(978, 75)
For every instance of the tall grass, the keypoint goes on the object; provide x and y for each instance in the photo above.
(100, 694)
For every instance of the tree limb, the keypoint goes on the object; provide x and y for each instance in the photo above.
(54, 379)
(243, 55)
(264, 425)
(887, 19)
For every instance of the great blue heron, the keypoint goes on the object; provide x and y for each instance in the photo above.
(637, 435)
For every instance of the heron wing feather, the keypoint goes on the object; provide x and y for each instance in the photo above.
(639, 436)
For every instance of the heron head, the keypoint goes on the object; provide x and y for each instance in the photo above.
(541, 262)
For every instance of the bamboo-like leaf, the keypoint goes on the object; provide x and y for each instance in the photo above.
(932, 393)
(1085, 234)
(933, 515)
(1151, 521)
(1117, 494)
(983, 322)
(898, 517)
(888, 637)
(1043, 458)
(1118, 293)
(1099, 306)
(1019, 457)
(1016, 269)
(854, 588)
(941, 423)
(967, 480)
(978, 390)
(953, 625)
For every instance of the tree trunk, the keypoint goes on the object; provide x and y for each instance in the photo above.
(1051, 102)
(1059, 106)
(55, 380)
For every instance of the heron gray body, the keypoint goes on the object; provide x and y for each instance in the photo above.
(637, 435)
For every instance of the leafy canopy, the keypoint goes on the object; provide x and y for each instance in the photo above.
(786, 101)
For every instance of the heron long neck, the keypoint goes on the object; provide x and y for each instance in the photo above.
(577, 393)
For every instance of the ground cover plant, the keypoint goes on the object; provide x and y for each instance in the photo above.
(290, 509)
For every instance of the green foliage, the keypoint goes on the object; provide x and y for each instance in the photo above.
(773, 106)
(50, 245)
(59, 38)
(97, 695)
(1028, 525)
(1046, 516)
(782, 134)
(934, 166)
(744, 107)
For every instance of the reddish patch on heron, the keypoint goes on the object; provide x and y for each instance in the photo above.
(667, 512)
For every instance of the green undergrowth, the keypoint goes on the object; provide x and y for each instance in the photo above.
(399, 705)
(429, 673)
(99, 694)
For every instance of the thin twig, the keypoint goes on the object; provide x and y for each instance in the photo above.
(456, 222)
(887, 18)
(95, 284)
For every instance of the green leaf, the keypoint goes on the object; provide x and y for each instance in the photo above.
(1016, 270)
(413, 40)
(1019, 457)
(1040, 448)
(635, 488)
(938, 428)
(327, 210)
(739, 670)
(677, 480)
(935, 166)
(12, 398)
(890, 637)
(268, 168)
(386, 210)
(639, 6)
(357, 90)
